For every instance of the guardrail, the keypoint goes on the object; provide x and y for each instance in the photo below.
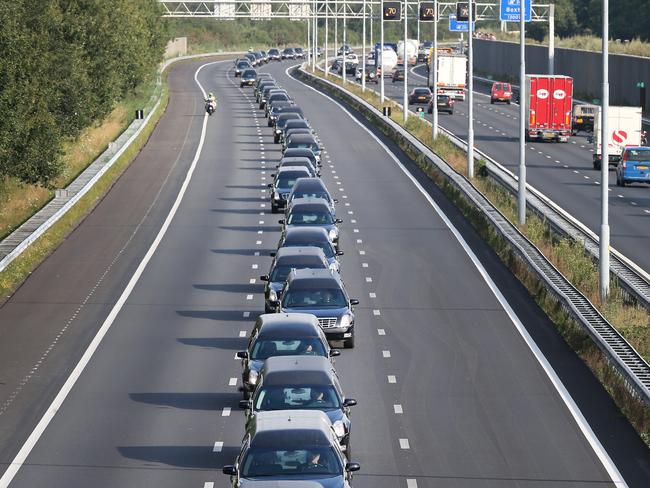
(621, 355)
(20, 239)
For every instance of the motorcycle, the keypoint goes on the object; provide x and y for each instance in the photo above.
(210, 106)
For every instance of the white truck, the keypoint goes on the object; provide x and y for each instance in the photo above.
(389, 60)
(411, 51)
(452, 76)
(624, 127)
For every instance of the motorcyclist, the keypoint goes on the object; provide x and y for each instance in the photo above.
(211, 101)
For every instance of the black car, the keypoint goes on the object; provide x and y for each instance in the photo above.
(350, 68)
(444, 104)
(398, 73)
(283, 182)
(290, 132)
(291, 449)
(345, 48)
(288, 53)
(282, 108)
(252, 58)
(248, 78)
(275, 98)
(300, 53)
(303, 162)
(304, 141)
(268, 92)
(285, 260)
(288, 334)
(280, 123)
(311, 188)
(311, 236)
(263, 77)
(274, 54)
(242, 66)
(336, 65)
(263, 85)
(294, 124)
(304, 382)
(301, 152)
(420, 95)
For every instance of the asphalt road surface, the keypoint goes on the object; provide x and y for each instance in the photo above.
(563, 172)
(450, 391)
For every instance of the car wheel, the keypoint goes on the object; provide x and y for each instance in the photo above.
(276, 139)
(274, 209)
(597, 165)
(349, 343)
(269, 123)
(623, 182)
(491, 101)
(508, 102)
(241, 85)
(451, 112)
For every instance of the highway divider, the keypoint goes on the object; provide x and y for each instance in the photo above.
(16, 243)
(619, 354)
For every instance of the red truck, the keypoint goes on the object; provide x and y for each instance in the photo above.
(549, 107)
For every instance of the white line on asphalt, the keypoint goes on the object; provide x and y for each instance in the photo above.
(225, 412)
(372, 295)
(257, 253)
(368, 279)
(359, 241)
(381, 332)
(249, 297)
(353, 221)
(218, 446)
(54, 407)
(246, 314)
(412, 482)
(392, 379)
(232, 382)
(355, 230)
(259, 243)
(631, 203)
(404, 444)
(363, 265)
(362, 253)
(255, 266)
(376, 312)
(251, 281)
(397, 408)
(210, 484)
(385, 354)
(242, 333)
(573, 408)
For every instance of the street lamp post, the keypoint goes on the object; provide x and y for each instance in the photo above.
(603, 269)
(551, 39)
(381, 53)
(363, 50)
(433, 66)
(405, 99)
(521, 193)
(470, 93)
(343, 53)
(327, 35)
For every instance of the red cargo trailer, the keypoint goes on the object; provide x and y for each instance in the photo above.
(548, 106)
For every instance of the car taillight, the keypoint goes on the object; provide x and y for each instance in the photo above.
(532, 117)
(567, 118)
(624, 160)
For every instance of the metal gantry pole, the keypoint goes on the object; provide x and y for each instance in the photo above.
(315, 56)
(551, 39)
(603, 269)
(381, 53)
(433, 66)
(405, 99)
(418, 17)
(470, 93)
(309, 33)
(363, 50)
(327, 34)
(521, 193)
(372, 14)
(336, 27)
(345, 36)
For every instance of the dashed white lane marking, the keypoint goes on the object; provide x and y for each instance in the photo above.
(576, 171)
(347, 204)
(249, 297)
(263, 205)
(242, 333)
(565, 166)
(397, 408)
(646, 211)
(547, 156)
(631, 203)
(218, 446)
(372, 295)
(261, 222)
(404, 444)
(247, 314)
(381, 332)
(355, 230)
(225, 412)
(586, 177)
(232, 382)
(251, 281)
(363, 265)
(260, 232)
(368, 279)
(257, 253)
(620, 196)
(350, 212)
(359, 241)
(411, 483)
(557, 161)
(385, 354)
(259, 243)
(210, 484)
(255, 266)
(391, 378)
(376, 312)
(353, 221)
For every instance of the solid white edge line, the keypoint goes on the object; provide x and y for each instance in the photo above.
(56, 404)
(571, 405)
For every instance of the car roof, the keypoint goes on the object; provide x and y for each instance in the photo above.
(294, 159)
(291, 109)
(311, 279)
(299, 122)
(306, 184)
(300, 255)
(310, 203)
(298, 370)
(297, 427)
(306, 234)
(248, 71)
(304, 138)
(284, 325)
(289, 116)
(288, 169)
(300, 151)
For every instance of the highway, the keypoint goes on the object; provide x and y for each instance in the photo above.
(461, 380)
(563, 172)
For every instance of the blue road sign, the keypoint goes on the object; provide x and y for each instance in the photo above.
(509, 11)
(459, 25)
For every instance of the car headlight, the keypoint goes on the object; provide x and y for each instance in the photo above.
(339, 429)
(345, 321)
(278, 131)
(333, 234)
(273, 296)
(252, 377)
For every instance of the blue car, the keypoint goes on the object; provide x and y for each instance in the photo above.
(634, 166)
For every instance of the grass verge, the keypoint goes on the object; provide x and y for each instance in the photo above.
(568, 256)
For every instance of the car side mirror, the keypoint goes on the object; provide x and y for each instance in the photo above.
(281, 221)
(232, 471)
(336, 200)
(339, 253)
(242, 354)
(270, 185)
(339, 221)
(244, 404)
(272, 254)
(318, 174)
(334, 353)
(354, 301)
(264, 278)
(348, 467)
(272, 175)
(349, 402)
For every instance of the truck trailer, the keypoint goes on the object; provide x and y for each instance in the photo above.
(452, 76)
(624, 127)
(549, 105)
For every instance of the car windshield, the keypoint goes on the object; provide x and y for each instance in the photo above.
(421, 91)
(280, 272)
(314, 298)
(303, 397)
(443, 98)
(287, 181)
(243, 65)
(289, 461)
(273, 51)
(250, 73)
(324, 245)
(305, 194)
(310, 217)
(638, 155)
(309, 346)
(304, 145)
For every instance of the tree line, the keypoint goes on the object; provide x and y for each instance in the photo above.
(63, 66)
